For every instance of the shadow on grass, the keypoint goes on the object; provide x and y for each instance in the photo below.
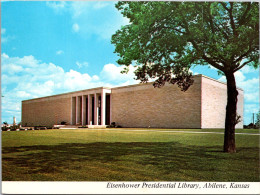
(165, 156)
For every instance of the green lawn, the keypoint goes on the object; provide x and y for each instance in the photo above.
(124, 155)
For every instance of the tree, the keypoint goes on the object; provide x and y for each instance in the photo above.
(258, 120)
(165, 39)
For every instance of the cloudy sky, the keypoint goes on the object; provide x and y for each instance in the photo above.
(56, 47)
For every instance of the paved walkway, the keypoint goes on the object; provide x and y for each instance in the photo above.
(173, 131)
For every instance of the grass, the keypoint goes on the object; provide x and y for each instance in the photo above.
(123, 155)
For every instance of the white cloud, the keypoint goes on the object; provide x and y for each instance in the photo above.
(74, 78)
(3, 30)
(100, 5)
(75, 27)
(252, 97)
(78, 7)
(4, 37)
(250, 86)
(58, 7)
(240, 78)
(252, 108)
(23, 94)
(90, 17)
(113, 73)
(95, 78)
(26, 77)
(82, 64)
(12, 68)
(59, 52)
(4, 55)
(248, 69)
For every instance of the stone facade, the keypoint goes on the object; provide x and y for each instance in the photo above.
(142, 105)
(46, 111)
(166, 107)
(70, 108)
(214, 101)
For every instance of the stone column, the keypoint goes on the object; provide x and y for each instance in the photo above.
(73, 111)
(110, 116)
(103, 108)
(77, 102)
(96, 109)
(78, 109)
(83, 119)
(90, 109)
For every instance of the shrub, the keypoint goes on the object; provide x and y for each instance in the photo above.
(63, 123)
(113, 125)
(14, 127)
(5, 128)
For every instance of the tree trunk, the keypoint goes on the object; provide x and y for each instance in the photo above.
(231, 114)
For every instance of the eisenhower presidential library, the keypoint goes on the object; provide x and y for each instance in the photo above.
(203, 105)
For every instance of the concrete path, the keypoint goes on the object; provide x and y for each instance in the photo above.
(173, 131)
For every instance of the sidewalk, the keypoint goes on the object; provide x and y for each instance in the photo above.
(173, 131)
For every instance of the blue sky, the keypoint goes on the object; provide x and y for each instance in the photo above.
(55, 47)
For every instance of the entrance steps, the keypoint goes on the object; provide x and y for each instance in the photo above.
(97, 126)
(69, 127)
(87, 126)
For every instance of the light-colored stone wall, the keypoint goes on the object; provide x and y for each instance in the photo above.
(167, 107)
(51, 110)
(214, 100)
(46, 112)
(240, 108)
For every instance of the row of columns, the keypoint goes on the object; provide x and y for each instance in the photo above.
(81, 112)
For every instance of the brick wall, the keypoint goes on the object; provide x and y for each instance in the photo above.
(46, 111)
(167, 107)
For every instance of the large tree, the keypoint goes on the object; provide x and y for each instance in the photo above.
(165, 39)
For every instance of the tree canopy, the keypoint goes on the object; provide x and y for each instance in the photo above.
(165, 39)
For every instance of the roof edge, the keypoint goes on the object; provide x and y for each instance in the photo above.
(148, 83)
(67, 93)
(222, 82)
